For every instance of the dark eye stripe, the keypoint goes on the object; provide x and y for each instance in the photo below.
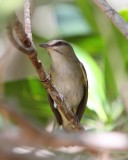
(60, 43)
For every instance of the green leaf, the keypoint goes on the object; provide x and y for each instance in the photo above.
(124, 14)
(110, 83)
(97, 97)
(31, 97)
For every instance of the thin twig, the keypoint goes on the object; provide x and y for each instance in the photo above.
(27, 17)
(12, 40)
(18, 27)
(117, 20)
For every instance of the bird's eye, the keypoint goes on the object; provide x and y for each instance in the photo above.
(59, 43)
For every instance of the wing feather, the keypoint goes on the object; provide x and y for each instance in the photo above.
(55, 110)
(82, 105)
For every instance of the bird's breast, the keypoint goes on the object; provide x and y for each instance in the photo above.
(68, 81)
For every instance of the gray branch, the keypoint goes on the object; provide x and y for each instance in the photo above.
(117, 20)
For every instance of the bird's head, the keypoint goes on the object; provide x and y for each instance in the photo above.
(59, 47)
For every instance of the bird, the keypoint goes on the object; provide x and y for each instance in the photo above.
(70, 79)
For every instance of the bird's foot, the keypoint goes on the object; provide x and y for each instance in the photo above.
(48, 77)
(77, 119)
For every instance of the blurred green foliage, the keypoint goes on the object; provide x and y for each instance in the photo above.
(124, 14)
(30, 94)
(103, 51)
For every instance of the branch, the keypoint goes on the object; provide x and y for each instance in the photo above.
(29, 135)
(26, 41)
(14, 42)
(117, 20)
(27, 17)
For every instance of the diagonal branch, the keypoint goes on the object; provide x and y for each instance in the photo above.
(117, 20)
(26, 40)
(29, 135)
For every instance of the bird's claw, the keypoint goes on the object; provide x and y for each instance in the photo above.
(77, 119)
(48, 77)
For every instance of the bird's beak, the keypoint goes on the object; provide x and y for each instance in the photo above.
(44, 45)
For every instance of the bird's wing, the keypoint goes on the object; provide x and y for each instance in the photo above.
(55, 110)
(81, 107)
(51, 101)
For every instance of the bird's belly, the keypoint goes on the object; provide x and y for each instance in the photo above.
(72, 92)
